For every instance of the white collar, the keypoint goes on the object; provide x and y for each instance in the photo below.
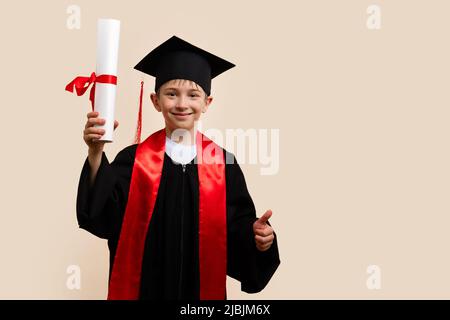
(180, 153)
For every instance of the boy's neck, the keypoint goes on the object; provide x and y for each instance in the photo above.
(186, 138)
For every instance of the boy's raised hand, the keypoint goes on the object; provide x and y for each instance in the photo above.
(263, 232)
(91, 134)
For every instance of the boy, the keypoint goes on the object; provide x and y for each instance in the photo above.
(177, 218)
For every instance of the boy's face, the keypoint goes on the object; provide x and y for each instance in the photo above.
(181, 102)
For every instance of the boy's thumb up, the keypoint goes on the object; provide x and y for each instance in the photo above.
(262, 221)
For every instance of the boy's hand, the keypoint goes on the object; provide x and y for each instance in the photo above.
(91, 134)
(263, 232)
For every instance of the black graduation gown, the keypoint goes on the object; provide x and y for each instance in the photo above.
(170, 267)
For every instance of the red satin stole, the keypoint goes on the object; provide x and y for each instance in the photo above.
(145, 180)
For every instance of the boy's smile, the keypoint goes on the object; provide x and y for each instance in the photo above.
(181, 115)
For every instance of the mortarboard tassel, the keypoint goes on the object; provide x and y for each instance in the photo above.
(137, 138)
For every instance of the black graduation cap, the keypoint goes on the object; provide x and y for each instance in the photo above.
(177, 59)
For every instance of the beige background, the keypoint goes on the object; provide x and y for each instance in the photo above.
(364, 157)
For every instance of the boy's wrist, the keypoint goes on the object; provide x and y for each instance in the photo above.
(93, 153)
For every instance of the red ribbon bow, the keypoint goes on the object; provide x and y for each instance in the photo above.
(79, 83)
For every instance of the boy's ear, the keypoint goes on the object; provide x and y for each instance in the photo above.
(154, 98)
(208, 102)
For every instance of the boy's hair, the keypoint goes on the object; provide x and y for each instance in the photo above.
(181, 81)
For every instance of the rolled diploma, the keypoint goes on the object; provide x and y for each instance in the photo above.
(108, 31)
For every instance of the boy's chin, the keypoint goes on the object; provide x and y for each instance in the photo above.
(183, 126)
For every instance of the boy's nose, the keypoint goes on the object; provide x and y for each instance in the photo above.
(181, 103)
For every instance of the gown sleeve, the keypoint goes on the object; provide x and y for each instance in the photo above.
(100, 208)
(245, 263)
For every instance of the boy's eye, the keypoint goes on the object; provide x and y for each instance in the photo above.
(194, 95)
(170, 94)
